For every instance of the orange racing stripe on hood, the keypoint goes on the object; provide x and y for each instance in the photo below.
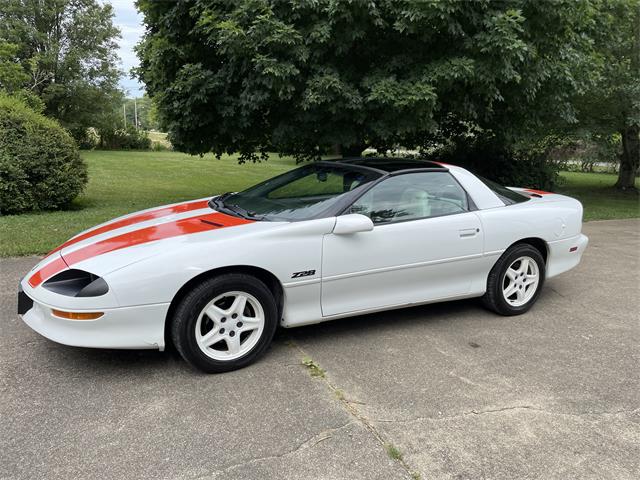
(185, 226)
(49, 270)
(140, 217)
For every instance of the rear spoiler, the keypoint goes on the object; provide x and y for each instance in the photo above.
(531, 192)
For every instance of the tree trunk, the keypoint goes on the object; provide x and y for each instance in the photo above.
(630, 158)
(352, 150)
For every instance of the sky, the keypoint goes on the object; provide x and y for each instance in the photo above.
(129, 21)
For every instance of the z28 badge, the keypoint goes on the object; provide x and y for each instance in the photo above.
(306, 273)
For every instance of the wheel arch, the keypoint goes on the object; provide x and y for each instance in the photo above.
(265, 276)
(537, 243)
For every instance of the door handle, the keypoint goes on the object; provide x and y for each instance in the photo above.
(468, 232)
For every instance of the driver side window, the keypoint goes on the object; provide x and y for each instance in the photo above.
(412, 196)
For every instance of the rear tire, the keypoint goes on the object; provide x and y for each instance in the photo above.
(224, 323)
(515, 281)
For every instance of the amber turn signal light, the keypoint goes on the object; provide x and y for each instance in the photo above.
(76, 315)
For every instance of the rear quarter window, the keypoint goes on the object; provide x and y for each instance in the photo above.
(508, 197)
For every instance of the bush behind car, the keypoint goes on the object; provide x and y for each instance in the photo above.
(40, 167)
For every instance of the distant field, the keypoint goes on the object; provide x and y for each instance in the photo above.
(159, 137)
(123, 182)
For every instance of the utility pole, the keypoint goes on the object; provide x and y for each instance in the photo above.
(124, 114)
(135, 111)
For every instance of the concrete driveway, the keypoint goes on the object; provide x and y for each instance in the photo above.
(440, 391)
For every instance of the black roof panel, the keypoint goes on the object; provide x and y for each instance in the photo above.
(391, 164)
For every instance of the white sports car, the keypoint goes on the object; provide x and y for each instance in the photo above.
(327, 240)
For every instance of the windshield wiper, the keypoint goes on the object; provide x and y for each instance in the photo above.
(219, 204)
(244, 213)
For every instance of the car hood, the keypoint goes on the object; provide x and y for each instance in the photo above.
(134, 237)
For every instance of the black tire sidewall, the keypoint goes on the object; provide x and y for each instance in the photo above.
(495, 297)
(187, 312)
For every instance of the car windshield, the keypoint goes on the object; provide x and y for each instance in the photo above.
(312, 191)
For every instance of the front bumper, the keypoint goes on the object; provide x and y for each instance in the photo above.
(138, 327)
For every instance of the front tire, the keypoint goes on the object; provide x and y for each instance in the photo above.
(224, 323)
(515, 281)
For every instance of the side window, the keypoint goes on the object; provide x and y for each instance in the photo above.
(411, 196)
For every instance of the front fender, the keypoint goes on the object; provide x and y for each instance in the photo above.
(281, 249)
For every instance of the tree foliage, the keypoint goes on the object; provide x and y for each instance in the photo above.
(67, 53)
(12, 74)
(298, 77)
(612, 104)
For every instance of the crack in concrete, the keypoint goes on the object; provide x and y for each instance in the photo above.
(505, 409)
(350, 407)
(309, 443)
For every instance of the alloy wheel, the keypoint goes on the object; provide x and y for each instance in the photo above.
(230, 325)
(520, 281)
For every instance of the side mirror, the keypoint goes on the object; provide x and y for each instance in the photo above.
(352, 223)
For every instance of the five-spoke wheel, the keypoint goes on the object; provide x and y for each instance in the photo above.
(515, 281)
(520, 281)
(230, 325)
(225, 322)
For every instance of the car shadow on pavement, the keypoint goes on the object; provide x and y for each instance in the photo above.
(113, 361)
(403, 318)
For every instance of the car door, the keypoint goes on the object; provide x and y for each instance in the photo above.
(426, 245)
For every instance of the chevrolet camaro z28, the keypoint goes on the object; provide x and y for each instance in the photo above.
(327, 240)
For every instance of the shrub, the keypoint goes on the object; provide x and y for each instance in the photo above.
(87, 138)
(40, 167)
(124, 139)
(30, 99)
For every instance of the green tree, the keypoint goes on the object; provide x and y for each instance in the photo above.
(12, 74)
(612, 105)
(68, 49)
(13, 77)
(299, 77)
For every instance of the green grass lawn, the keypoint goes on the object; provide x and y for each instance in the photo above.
(600, 200)
(123, 182)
